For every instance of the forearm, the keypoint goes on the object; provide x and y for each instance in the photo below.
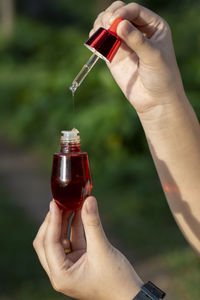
(174, 141)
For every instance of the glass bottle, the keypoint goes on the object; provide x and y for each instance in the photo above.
(71, 180)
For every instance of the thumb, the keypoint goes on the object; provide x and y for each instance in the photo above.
(95, 236)
(136, 41)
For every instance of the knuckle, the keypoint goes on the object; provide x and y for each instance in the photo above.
(134, 5)
(121, 11)
(106, 17)
(36, 243)
(115, 5)
(99, 16)
(97, 23)
(118, 3)
(138, 39)
(165, 26)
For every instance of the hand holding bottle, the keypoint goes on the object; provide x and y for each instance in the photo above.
(94, 269)
(145, 66)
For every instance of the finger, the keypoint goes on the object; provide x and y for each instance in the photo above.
(55, 255)
(137, 42)
(95, 236)
(137, 15)
(38, 244)
(97, 22)
(91, 32)
(103, 18)
(109, 12)
(114, 6)
(65, 224)
(77, 233)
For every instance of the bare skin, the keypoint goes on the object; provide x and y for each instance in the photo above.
(93, 270)
(145, 69)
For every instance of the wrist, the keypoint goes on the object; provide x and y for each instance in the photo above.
(125, 291)
(130, 288)
(149, 291)
(169, 115)
(135, 289)
(132, 291)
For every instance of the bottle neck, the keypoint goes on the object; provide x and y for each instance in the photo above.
(70, 147)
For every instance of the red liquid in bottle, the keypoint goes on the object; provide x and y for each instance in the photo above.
(71, 180)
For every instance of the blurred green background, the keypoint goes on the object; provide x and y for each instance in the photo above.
(41, 51)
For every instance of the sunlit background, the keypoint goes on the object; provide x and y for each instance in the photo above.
(41, 51)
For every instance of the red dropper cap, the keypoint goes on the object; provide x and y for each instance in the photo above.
(105, 42)
(114, 25)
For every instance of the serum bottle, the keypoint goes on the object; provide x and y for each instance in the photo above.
(71, 180)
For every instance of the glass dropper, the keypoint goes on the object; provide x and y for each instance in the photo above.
(104, 43)
(83, 72)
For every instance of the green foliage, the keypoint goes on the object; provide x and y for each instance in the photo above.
(21, 275)
(37, 68)
(185, 270)
(39, 64)
(185, 31)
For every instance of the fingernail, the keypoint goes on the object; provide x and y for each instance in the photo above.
(68, 250)
(51, 208)
(91, 205)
